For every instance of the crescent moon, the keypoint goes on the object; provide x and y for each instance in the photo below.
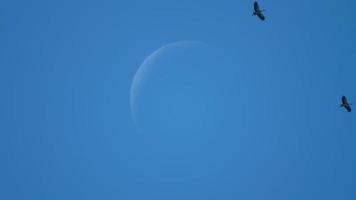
(146, 68)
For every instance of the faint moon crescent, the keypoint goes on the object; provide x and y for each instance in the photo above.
(147, 67)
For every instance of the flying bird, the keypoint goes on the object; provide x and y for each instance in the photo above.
(258, 11)
(345, 104)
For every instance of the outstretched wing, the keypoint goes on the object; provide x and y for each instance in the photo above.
(261, 16)
(256, 7)
(348, 108)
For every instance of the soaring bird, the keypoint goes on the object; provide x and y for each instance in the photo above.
(345, 104)
(258, 11)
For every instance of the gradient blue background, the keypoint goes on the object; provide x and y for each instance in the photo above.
(65, 124)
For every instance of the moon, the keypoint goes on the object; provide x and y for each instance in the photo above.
(173, 89)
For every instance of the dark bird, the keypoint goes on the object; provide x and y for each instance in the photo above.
(345, 104)
(258, 11)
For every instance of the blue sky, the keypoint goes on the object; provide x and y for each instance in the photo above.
(66, 130)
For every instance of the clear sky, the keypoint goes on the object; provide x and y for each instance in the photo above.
(66, 131)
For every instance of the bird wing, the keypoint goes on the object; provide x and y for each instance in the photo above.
(256, 7)
(344, 100)
(348, 108)
(261, 16)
